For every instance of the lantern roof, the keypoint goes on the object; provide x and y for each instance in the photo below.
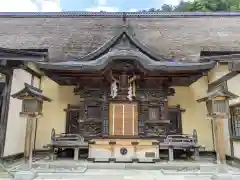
(218, 93)
(30, 91)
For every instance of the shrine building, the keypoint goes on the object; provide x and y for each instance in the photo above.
(120, 76)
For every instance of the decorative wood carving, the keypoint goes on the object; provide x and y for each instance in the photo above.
(155, 130)
(153, 111)
(151, 93)
(154, 114)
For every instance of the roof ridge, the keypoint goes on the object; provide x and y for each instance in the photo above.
(117, 14)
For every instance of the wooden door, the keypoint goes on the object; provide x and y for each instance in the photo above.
(73, 113)
(175, 126)
(123, 119)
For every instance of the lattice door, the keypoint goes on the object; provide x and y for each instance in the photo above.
(72, 125)
(123, 119)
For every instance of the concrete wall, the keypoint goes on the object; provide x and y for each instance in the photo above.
(54, 115)
(16, 126)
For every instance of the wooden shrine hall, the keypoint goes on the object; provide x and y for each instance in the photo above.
(123, 90)
(117, 91)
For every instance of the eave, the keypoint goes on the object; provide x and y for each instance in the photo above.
(97, 79)
(149, 64)
(31, 55)
(229, 58)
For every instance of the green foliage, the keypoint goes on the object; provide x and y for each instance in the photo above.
(201, 6)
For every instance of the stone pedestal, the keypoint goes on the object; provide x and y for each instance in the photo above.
(123, 150)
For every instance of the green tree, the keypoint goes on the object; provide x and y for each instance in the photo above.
(200, 5)
(183, 6)
(167, 8)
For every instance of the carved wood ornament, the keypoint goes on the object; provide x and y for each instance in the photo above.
(122, 84)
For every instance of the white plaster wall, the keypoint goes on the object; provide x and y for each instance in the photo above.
(36, 82)
(195, 115)
(54, 115)
(236, 148)
(234, 87)
(16, 126)
(217, 72)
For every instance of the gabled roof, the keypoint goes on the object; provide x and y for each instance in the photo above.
(123, 46)
(124, 34)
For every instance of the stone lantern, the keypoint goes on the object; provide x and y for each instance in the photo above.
(32, 100)
(218, 109)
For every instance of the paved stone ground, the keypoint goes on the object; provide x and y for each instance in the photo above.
(83, 170)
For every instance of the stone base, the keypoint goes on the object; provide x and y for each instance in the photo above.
(123, 150)
(25, 175)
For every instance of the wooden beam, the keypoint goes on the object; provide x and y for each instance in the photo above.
(5, 107)
(34, 73)
(222, 79)
(23, 58)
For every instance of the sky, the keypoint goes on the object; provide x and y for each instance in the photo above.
(80, 5)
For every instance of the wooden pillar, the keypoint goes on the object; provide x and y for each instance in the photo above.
(105, 115)
(221, 155)
(27, 137)
(165, 110)
(29, 140)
